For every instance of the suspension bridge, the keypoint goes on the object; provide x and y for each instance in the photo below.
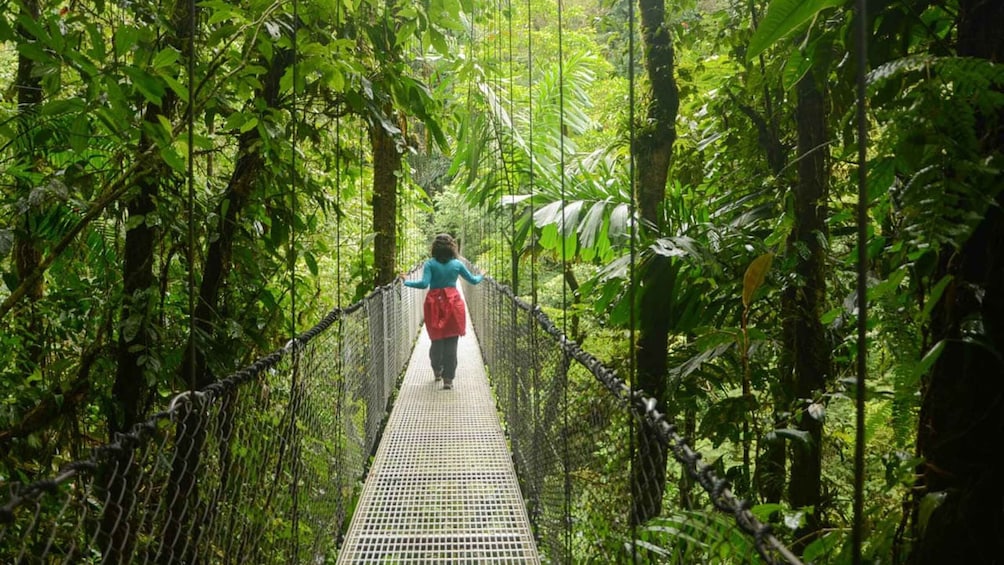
(265, 465)
(339, 447)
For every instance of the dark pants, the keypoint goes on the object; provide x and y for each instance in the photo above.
(443, 355)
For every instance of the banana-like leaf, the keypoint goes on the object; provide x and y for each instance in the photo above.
(782, 18)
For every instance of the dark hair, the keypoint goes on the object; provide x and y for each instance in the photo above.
(444, 248)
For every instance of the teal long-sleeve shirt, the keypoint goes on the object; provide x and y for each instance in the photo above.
(443, 275)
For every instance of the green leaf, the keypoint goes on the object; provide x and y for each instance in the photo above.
(175, 157)
(336, 81)
(405, 33)
(929, 504)
(795, 68)
(570, 218)
(830, 316)
(549, 236)
(286, 82)
(887, 286)
(439, 41)
(126, 39)
(134, 221)
(548, 215)
(311, 261)
(220, 12)
(822, 548)
(6, 32)
(234, 121)
(928, 361)
(59, 107)
(620, 221)
(592, 224)
(935, 295)
(570, 246)
(782, 18)
(165, 58)
(249, 125)
(180, 89)
(33, 51)
(166, 124)
(147, 85)
(800, 436)
(32, 27)
(10, 280)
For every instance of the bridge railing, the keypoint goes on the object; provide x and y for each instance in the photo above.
(260, 467)
(587, 450)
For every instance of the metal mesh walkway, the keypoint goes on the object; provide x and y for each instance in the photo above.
(442, 488)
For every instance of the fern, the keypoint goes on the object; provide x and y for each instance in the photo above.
(932, 112)
(694, 537)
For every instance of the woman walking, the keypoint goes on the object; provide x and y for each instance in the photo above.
(445, 313)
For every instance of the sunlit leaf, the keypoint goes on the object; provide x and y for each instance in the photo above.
(801, 436)
(165, 58)
(784, 17)
(755, 274)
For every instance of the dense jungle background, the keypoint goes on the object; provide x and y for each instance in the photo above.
(184, 186)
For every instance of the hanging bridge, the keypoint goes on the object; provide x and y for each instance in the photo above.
(265, 465)
(442, 488)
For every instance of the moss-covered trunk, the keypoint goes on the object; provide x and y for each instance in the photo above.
(138, 320)
(219, 252)
(653, 149)
(26, 253)
(804, 299)
(386, 170)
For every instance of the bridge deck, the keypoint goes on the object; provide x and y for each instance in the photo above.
(442, 488)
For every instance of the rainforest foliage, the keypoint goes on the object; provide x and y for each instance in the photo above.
(186, 183)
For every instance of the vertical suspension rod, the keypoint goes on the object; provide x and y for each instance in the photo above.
(862, 273)
(633, 249)
(190, 117)
(291, 258)
(564, 267)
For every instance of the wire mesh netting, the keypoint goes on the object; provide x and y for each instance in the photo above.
(261, 467)
(591, 454)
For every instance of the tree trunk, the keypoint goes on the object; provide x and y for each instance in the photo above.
(962, 415)
(804, 300)
(219, 253)
(139, 286)
(136, 328)
(653, 149)
(573, 288)
(386, 169)
(686, 484)
(26, 253)
(654, 144)
(138, 319)
(771, 465)
(514, 257)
